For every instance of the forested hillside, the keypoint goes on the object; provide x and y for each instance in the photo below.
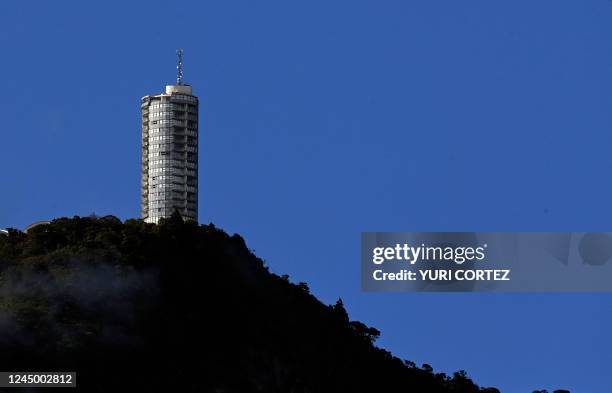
(182, 307)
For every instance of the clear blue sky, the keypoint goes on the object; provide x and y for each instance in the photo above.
(323, 119)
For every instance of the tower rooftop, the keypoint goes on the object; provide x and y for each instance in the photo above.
(183, 89)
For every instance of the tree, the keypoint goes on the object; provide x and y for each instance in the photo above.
(369, 333)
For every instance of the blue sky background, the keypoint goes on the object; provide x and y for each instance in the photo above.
(323, 119)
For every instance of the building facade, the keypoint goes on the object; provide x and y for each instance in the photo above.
(170, 154)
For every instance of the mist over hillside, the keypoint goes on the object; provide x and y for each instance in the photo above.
(182, 307)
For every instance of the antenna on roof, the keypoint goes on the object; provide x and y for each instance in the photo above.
(179, 67)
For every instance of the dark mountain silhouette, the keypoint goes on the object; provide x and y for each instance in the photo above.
(182, 307)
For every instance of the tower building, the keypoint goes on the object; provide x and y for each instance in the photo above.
(170, 151)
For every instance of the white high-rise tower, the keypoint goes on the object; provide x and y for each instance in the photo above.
(170, 152)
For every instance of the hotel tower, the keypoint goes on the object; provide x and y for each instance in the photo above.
(170, 152)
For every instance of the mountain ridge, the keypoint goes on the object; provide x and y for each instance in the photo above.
(182, 306)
